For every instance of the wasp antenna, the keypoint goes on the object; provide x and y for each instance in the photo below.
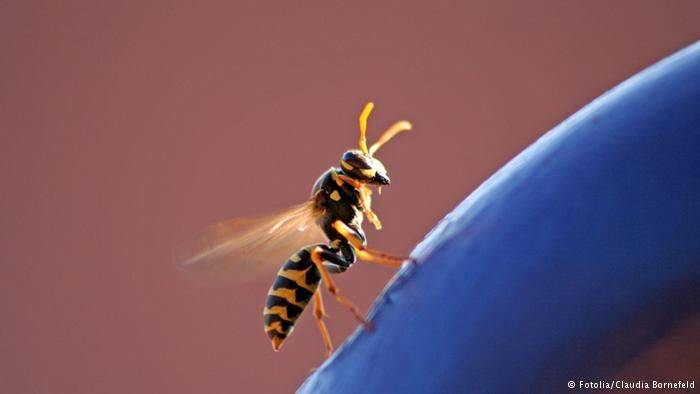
(363, 126)
(396, 128)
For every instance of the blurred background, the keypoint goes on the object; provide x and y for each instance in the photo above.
(126, 127)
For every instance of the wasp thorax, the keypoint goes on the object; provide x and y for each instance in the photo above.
(364, 167)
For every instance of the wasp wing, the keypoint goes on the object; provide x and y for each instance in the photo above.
(239, 248)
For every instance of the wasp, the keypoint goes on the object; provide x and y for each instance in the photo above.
(326, 232)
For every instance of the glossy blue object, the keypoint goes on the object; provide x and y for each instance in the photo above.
(571, 259)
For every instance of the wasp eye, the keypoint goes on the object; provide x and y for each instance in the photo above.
(369, 172)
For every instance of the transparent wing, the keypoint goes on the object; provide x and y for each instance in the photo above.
(239, 248)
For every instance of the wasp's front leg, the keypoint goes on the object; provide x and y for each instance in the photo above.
(365, 200)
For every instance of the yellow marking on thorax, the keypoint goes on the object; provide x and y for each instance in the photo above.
(295, 258)
(287, 294)
(335, 196)
(278, 310)
(298, 277)
(336, 178)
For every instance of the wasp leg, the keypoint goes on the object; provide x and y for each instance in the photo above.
(365, 200)
(334, 268)
(365, 253)
(318, 255)
(340, 264)
(353, 182)
(343, 261)
(319, 313)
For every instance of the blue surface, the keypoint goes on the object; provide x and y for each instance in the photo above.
(587, 241)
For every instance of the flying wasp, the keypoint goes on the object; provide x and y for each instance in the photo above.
(326, 231)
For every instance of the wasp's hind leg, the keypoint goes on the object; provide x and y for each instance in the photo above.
(319, 313)
(363, 252)
(319, 255)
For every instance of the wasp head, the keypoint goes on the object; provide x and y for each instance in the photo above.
(364, 168)
(361, 164)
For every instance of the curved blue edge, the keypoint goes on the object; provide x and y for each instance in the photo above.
(590, 235)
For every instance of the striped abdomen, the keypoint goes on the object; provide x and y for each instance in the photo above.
(294, 286)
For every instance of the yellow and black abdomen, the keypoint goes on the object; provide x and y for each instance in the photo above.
(292, 290)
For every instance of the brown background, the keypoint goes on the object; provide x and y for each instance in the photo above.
(126, 127)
